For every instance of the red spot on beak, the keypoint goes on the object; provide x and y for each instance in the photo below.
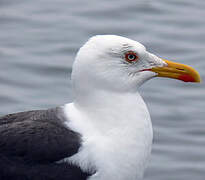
(186, 78)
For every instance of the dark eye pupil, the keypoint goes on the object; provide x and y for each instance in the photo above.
(131, 57)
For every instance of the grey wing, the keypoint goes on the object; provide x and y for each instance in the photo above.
(31, 143)
(37, 136)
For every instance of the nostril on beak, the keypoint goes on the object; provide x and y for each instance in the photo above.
(181, 69)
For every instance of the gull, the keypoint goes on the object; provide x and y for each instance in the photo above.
(105, 133)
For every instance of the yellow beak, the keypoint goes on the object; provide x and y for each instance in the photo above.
(177, 71)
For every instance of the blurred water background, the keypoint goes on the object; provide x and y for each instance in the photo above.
(38, 43)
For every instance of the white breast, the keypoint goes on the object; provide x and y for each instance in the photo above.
(117, 136)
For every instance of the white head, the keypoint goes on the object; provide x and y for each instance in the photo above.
(115, 63)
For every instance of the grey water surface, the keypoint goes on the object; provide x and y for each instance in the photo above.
(38, 43)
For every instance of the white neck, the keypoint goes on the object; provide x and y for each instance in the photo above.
(116, 131)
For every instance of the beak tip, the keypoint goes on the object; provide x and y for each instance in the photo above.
(189, 78)
(198, 80)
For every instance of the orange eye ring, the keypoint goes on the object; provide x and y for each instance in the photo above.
(131, 56)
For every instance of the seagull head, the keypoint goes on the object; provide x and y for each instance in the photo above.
(110, 62)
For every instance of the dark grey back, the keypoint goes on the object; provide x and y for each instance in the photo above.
(37, 139)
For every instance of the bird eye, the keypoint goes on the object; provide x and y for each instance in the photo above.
(131, 56)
